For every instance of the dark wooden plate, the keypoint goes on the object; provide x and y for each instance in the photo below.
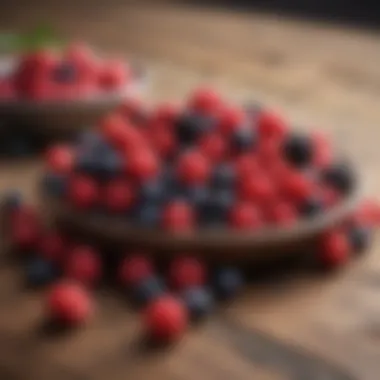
(214, 243)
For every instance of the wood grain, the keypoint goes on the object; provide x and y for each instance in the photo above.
(294, 328)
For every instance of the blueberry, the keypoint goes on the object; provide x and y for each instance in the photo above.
(198, 196)
(223, 176)
(243, 139)
(147, 290)
(39, 272)
(340, 176)
(298, 150)
(65, 73)
(360, 238)
(214, 212)
(199, 302)
(148, 215)
(89, 139)
(12, 200)
(153, 191)
(54, 184)
(228, 282)
(311, 207)
(190, 126)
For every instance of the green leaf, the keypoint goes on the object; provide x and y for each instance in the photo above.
(9, 42)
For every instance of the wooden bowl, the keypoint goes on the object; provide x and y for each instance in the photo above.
(214, 244)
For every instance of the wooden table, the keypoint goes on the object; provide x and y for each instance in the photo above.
(297, 328)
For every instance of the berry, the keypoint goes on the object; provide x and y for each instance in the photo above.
(134, 269)
(39, 272)
(148, 215)
(205, 101)
(231, 119)
(258, 189)
(215, 210)
(334, 250)
(165, 319)
(199, 302)
(197, 196)
(228, 282)
(282, 213)
(296, 186)
(143, 165)
(186, 272)
(298, 150)
(54, 184)
(163, 142)
(340, 176)
(83, 265)
(178, 216)
(51, 246)
(152, 191)
(189, 127)
(193, 168)
(166, 113)
(118, 196)
(311, 207)
(223, 176)
(243, 140)
(147, 290)
(24, 235)
(359, 238)
(270, 125)
(65, 73)
(212, 146)
(245, 216)
(69, 303)
(59, 159)
(82, 192)
(113, 75)
(246, 165)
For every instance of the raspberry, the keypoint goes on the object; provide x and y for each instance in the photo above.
(59, 159)
(205, 101)
(282, 213)
(82, 192)
(83, 265)
(268, 152)
(24, 235)
(258, 189)
(165, 319)
(230, 119)
(166, 113)
(323, 155)
(270, 125)
(133, 269)
(51, 246)
(297, 187)
(212, 146)
(118, 196)
(246, 165)
(133, 109)
(193, 168)
(163, 141)
(178, 216)
(113, 75)
(186, 272)
(69, 303)
(334, 250)
(143, 164)
(245, 216)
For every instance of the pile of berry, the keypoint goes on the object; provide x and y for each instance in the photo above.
(76, 72)
(207, 164)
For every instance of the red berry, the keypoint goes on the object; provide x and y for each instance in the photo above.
(334, 249)
(296, 186)
(118, 195)
(270, 125)
(212, 146)
(245, 216)
(24, 215)
(205, 100)
(282, 213)
(69, 303)
(132, 107)
(59, 159)
(257, 188)
(323, 155)
(246, 165)
(82, 192)
(193, 168)
(269, 152)
(163, 141)
(134, 269)
(230, 119)
(178, 216)
(113, 75)
(24, 235)
(142, 164)
(83, 265)
(51, 246)
(166, 113)
(186, 272)
(165, 319)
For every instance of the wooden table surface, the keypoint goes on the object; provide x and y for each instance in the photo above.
(297, 328)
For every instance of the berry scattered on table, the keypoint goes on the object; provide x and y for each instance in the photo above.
(147, 289)
(199, 302)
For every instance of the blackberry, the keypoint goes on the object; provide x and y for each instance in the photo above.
(223, 176)
(298, 150)
(340, 176)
